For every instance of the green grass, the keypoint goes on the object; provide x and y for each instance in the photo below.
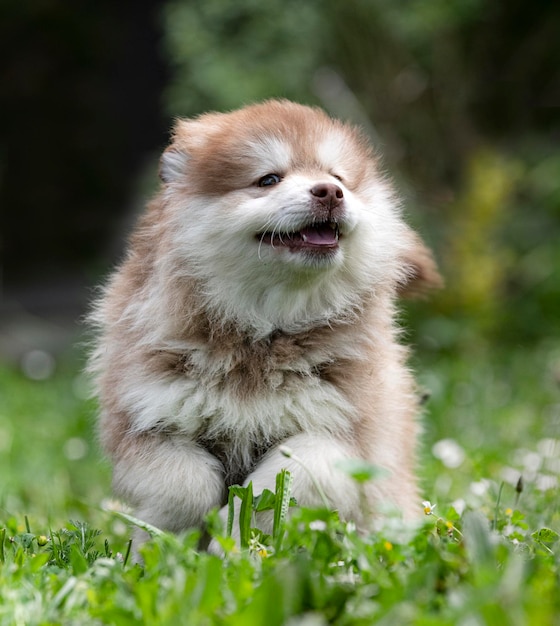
(488, 553)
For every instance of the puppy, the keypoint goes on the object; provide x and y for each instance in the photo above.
(256, 307)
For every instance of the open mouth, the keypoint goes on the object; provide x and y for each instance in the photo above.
(320, 236)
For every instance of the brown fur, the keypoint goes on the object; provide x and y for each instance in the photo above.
(159, 331)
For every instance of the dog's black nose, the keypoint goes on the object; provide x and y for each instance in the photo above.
(328, 194)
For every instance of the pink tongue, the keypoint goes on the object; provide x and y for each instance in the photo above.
(319, 236)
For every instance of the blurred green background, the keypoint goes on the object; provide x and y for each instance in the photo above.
(462, 97)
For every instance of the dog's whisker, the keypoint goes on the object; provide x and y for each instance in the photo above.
(265, 231)
(261, 241)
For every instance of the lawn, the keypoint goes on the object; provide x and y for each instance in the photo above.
(486, 552)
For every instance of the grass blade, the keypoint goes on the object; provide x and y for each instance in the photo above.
(231, 512)
(282, 503)
(153, 531)
(245, 516)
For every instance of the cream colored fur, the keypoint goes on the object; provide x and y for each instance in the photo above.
(216, 344)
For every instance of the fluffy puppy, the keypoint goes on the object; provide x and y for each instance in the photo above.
(256, 307)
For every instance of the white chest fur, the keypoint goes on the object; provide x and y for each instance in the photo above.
(245, 396)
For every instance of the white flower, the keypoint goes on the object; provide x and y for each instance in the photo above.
(351, 527)
(428, 507)
(256, 547)
(459, 505)
(286, 451)
(480, 487)
(449, 452)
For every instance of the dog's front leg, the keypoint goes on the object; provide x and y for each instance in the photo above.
(171, 482)
(319, 454)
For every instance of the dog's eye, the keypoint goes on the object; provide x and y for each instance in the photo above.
(336, 176)
(268, 180)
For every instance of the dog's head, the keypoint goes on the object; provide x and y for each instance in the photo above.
(283, 215)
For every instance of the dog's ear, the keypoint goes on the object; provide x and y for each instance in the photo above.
(190, 137)
(420, 270)
(173, 164)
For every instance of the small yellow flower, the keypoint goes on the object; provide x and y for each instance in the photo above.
(256, 547)
(508, 512)
(388, 546)
(449, 525)
(428, 507)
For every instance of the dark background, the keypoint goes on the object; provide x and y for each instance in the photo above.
(81, 107)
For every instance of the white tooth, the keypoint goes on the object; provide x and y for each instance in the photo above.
(304, 237)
